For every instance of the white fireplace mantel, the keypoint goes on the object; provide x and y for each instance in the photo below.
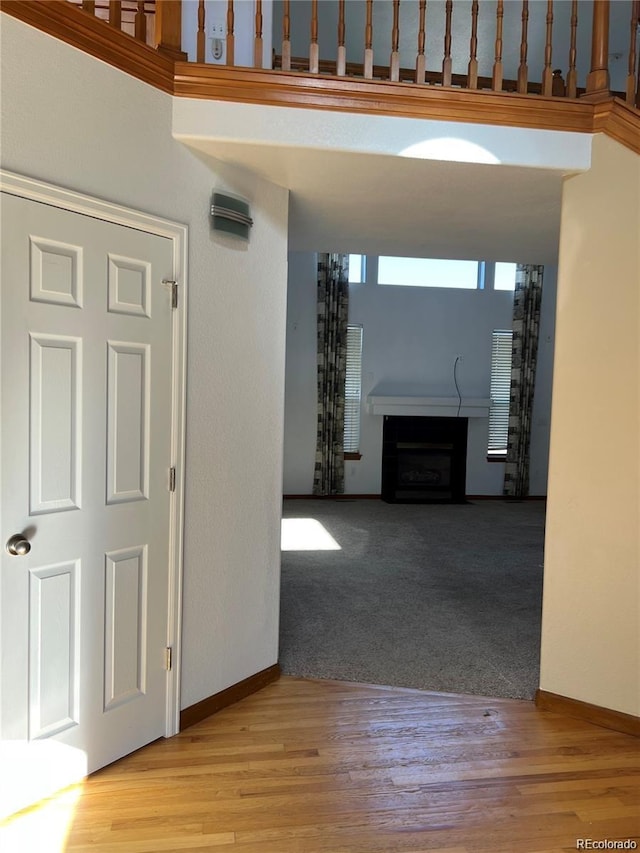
(411, 400)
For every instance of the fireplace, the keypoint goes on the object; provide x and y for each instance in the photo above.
(424, 459)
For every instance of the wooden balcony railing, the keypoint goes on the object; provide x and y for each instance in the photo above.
(548, 44)
(453, 60)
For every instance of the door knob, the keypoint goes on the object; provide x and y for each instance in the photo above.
(18, 546)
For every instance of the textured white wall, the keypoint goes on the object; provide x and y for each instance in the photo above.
(411, 335)
(76, 122)
(591, 606)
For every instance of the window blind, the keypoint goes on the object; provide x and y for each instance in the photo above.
(501, 345)
(352, 388)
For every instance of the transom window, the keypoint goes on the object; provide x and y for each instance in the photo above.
(428, 272)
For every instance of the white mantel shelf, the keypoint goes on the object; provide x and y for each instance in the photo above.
(443, 407)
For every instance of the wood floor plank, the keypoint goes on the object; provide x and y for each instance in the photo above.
(329, 767)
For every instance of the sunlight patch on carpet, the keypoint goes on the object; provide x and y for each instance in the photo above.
(306, 534)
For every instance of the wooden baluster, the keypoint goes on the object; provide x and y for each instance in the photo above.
(420, 59)
(446, 62)
(140, 23)
(394, 62)
(230, 35)
(115, 14)
(201, 37)
(368, 42)
(341, 65)
(168, 29)
(631, 77)
(257, 41)
(523, 71)
(547, 73)
(286, 36)
(598, 77)
(314, 51)
(496, 79)
(89, 6)
(572, 77)
(472, 72)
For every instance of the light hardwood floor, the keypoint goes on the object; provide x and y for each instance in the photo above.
(310, 766)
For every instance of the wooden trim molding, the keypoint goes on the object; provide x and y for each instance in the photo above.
(212, 704)
(82, 30)
(616, 720)
(618, 120)
(247, 85)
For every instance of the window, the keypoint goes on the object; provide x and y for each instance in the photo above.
(356, 269)
(429, 272)
(500, 387)
(505, 277)
(353, 385)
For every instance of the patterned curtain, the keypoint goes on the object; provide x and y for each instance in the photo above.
(526, 324)
(333, 304)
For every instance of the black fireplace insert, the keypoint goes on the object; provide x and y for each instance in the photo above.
(424, 459)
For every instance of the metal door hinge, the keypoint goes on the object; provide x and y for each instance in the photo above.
(172, 478)
(168, 658)
(174, 290)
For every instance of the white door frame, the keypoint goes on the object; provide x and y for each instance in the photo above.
(29, 188)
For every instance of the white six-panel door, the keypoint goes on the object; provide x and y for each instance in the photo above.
(86, 451)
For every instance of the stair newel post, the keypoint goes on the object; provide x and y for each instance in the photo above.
(633, 38)
(446, 62)
(286, 35)
(394, 61)
(572, 77)
(547, 73)
(201, 37)
(368, 42)
(257, 41)
(314, 51)
(420, 58)
(115, 14)
(168, 29)
(341, 65)
(472, 72)
(598, 77)
(497, 76)
(230, 35)
(523, 70)
(140, 23)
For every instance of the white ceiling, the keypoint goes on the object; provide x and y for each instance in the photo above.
(383, 204)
